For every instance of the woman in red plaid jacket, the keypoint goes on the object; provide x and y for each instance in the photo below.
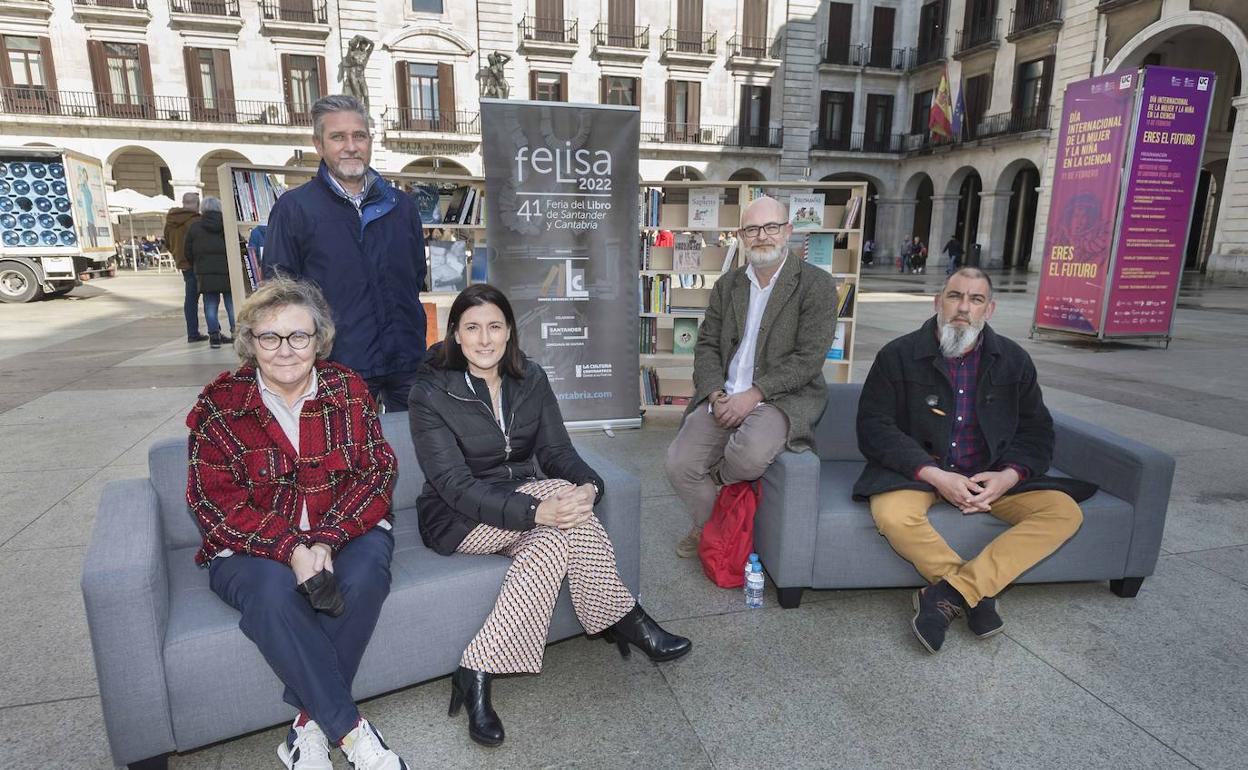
(290, 481)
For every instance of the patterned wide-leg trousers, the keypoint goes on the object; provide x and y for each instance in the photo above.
(513, 639)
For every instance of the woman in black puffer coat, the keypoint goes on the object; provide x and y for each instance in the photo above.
(205, 250)
(503, 477)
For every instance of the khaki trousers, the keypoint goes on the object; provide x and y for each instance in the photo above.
(1039, 521)
(703, 457)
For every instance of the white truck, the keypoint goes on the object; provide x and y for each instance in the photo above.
(54, 225)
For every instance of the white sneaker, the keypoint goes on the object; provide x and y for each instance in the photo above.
(366, 750)
(305, 748)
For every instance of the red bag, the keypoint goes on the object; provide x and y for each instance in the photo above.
(728, 538)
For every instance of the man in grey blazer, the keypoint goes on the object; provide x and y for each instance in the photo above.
(757, 367)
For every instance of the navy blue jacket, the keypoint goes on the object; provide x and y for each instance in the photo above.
(369, 264)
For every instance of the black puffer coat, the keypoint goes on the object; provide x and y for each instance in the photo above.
(205, 250)
(472, 468)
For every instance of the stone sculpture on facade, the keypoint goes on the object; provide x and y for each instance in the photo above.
(351, 70)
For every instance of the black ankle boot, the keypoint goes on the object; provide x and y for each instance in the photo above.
(639, 629)
(484, 726)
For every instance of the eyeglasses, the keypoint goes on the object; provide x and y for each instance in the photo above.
(273, 341)
(771, 228)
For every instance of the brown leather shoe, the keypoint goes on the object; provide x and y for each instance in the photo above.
(688, 546)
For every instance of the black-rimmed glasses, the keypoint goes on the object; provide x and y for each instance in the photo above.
(273, 341)
(771, 228)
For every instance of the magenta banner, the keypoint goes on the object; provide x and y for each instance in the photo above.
(1161, 185)
(1083, 207)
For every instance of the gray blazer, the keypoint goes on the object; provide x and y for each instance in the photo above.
(793, 340)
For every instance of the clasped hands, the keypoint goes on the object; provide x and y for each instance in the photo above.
(974, 494)
(306, 561)
(730, 411)
(569, 507)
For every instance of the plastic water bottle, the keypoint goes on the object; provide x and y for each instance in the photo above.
(754, 586)
(749, 567)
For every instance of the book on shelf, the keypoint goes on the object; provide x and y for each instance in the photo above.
(704, 209)
(447, 263)
(255, 192)
(480, 263)
(651, 204)
(837, 351)
(687, 257)
(684, 335)
(845, 299)
(806, 211)
(730, 257)
(850, 214)
(819, 249)
(455, 205)
(427, 199)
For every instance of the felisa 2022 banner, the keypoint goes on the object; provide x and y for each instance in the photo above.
(1083, 209)
(561, 186)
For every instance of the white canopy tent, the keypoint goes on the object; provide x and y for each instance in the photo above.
(129, 203)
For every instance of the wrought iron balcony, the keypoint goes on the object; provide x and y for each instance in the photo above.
(754, 47)
(979, 36)
(857, 141)
(1034, 15)
(713, 135)
(898, 59)
(90, 104)
(206, 7)
(926, 54)
(433, 121)
(298, 11)
(850, 56)
(617, 36)
(548, 30)
(136, 5)
(688, 41)
(1014, 122)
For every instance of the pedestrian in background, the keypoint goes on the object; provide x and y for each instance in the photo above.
(205, 250)
(176, 223)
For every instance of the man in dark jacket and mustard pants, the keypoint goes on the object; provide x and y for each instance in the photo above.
(757, 367)
(954, 411)
(359, 240)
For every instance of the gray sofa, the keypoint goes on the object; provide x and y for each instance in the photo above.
(809, 532)
(175, 672)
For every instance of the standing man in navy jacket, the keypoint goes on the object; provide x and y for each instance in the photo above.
(360, 241)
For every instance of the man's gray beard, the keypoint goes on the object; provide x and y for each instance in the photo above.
(760, 259)
(954, 341)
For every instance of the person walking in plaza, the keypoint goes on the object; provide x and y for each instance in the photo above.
(205, 251)
(917, 253)
(290, 482)
(177, 221)
(953, 412)
(954, 250)
(358, 239)
(502, 477)
(757, 368)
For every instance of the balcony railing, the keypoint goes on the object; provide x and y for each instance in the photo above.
(548, 30)
(887, 58)
(857, 141)
(754, 47)
(617, 36)
(688, 41)
(926, 54)
(978, 35)
(438, 121)
(206, 7)
(137, 5)
(851, 56)
(299, 11)
(1029, 15)
(89, 104)
(1005, 123)
(703, 133)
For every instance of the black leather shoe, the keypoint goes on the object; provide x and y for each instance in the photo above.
(935, 607)
(484, 726)
(639, 629)
(983, 619)
(197, 338)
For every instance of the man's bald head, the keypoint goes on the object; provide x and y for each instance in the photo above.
(763, 210)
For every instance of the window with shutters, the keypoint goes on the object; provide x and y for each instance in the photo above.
(207, 75)
(422, 90)
(26, 74)
(1031, 80)
(921, 112)
(835, 119)
(125, 73)
(931, 33)
(754, 124)
(305, 83)
(977, 95)
(836, 49)
(548, 87)
(684, 110)
(617, 90)
(879, 123)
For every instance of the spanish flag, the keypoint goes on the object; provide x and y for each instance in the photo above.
(940, 117)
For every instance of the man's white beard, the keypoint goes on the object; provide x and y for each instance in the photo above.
(762, 257)
(954, 340)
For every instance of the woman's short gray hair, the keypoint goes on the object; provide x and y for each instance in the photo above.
(273, 295)
(210, 204)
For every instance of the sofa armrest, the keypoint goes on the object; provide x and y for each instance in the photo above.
(787, 519)
(1125, 468)
(620, 514)
(125, 586)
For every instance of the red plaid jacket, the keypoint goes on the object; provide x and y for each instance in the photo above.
(246, 483)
